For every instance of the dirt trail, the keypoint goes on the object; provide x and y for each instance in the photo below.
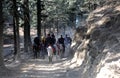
(39, 68)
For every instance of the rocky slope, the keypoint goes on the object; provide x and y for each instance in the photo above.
(97, 45)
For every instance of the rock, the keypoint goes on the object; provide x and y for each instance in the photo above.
(102, 42)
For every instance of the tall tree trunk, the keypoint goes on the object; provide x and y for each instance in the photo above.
(16, 32)
(2, 66)
(39, 18)
(56, 23)
(72, 18)
(25, 27)
(44, 29)
(27, 38)
(15, 40)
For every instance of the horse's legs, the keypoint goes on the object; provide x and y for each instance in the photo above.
(35, 54)
(50, 59)
(42, 53)
(61, 53)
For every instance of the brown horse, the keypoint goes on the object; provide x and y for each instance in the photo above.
(59, 50)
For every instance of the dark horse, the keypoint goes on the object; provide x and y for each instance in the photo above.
(36, 47)
(36, 50)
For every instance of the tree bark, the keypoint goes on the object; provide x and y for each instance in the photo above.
(2, 66)
(39, 18)
(27, 38)
(16, 32)
(26, 24)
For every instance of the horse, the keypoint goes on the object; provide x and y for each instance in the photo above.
(36, 50)
(59, 50)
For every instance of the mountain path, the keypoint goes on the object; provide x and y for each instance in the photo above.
(39, 68)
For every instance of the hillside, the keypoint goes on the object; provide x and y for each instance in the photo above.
(97, 45)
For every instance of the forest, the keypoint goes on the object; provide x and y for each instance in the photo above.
(93, 26)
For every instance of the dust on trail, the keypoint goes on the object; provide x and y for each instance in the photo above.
(39, 68)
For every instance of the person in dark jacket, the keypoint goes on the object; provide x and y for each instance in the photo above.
(61, 41)
(48, 40)
(53, 40)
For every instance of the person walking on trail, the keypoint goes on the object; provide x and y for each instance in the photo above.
(68, 41)
(61, 42)
(36, 46)
(50, 53)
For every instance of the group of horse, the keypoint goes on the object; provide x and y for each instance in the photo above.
(41, 50)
